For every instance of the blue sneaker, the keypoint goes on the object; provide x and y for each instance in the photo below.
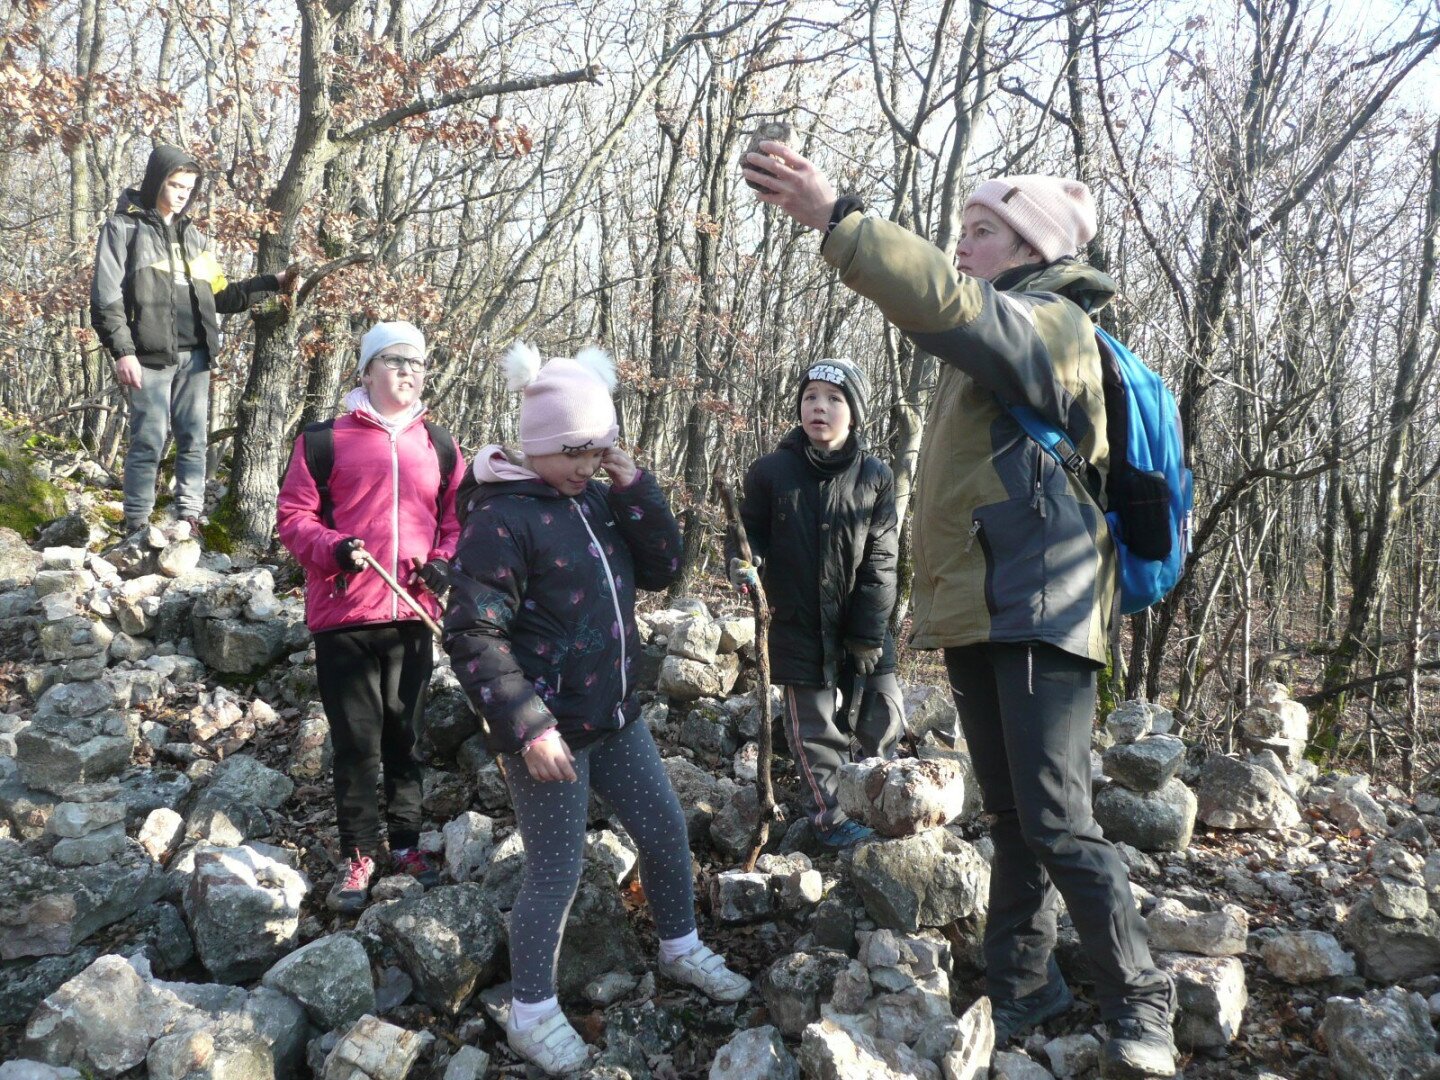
(844, 836)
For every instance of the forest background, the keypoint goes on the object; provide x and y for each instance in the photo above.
(1268, 179)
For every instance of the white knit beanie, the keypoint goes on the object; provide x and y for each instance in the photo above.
(382, 335)
(567, 404)
(1053, 215)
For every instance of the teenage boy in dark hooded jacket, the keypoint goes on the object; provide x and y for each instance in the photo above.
(820, 515)
(154, 300)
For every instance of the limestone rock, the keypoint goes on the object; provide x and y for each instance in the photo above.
(737, 898)
(450, 940)
(1174, 927)
(1212, 997)
(974, 1046)
(687, 680)
(903, 796)
(469, 839)
(1385, 1035)
(373, 1050)
(1392, 950)
(244, 911)
(931, 709)
(1162, 820)
(330, 977)
(1279, 725)
(1304, 956)
(736, 633)
(1351, 806)
(1236, 795)
(1147, 764)
(1132, 720)
(830, 1052)
(929, 879)
(1011, 1066)
(797, 984)
(696, 639)
(755, 1054)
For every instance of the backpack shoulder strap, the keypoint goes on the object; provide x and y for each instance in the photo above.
(320, 460)
(446, 453)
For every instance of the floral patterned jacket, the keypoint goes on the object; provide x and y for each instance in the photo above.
(540, 626)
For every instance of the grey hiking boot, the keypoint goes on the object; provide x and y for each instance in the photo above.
(1138, 1049)
(1014, 1016)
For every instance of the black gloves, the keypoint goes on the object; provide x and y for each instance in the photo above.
(345, 556)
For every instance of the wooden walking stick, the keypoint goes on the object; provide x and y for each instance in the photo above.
(764, 783)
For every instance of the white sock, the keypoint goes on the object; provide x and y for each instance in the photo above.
(526, 1014)
(672, 950)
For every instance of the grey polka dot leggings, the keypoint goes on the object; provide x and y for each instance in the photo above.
(625, 769)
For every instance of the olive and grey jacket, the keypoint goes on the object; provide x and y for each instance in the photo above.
(1008, 545)
(133, 294)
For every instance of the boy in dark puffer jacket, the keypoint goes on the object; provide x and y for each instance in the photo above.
(820, 514)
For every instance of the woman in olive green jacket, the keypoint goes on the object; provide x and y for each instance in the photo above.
(1015, 572)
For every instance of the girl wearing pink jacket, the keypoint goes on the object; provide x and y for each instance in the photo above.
(373, 656)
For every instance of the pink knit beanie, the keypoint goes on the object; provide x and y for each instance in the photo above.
(567, 403)
(1053, 215)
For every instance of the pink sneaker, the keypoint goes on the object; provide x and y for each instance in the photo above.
(352, 885)
(417, 864)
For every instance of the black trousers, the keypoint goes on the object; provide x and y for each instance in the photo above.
(372, 683)
(1027, 711)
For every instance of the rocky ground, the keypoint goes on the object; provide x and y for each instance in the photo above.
(166, 839)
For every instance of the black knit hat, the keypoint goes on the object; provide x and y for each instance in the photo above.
(849, 378)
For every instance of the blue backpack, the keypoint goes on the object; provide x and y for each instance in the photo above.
(1149, 491)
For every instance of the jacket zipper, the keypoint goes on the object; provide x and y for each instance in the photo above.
(1038, 502)
(974, 532)
(394, 522)
(615, 602)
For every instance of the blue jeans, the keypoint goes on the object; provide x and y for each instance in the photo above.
(170, 400)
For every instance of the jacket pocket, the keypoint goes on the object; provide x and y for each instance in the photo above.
(1011, 536)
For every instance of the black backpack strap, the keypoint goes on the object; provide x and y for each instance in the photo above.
(320, 460)
(446, 454)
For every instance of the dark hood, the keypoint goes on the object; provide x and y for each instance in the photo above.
(164, 160)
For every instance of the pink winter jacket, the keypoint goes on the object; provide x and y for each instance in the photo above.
(384, 489)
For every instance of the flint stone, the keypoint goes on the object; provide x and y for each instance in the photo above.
(797, 984)
(1132, 720)
(1212, 998)
(696, 639)
(45, 910)
(330, 977)
(469, 840)
(1305, 956)
(737, 898)
(755, 1054)
(901, 797)
(1392, 950)
(373, 1050)
(930, 879)
(244, 911)
(1385, 1035)
(449, 940)
(830, 1052)
(1147, 764)
(1235, 795)
(1174, 927)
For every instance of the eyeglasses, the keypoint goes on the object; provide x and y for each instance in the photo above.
(400, 363)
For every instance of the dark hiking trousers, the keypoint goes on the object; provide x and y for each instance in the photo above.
(1027, 712)
(819, 723)
(372, 683)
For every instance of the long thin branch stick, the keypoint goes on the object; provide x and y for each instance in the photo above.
(764, 782)
(365, 556)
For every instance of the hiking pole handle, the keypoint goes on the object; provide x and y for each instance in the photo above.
(365, 557)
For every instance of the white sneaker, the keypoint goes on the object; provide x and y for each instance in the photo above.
(552, 1044)
(706, 972)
